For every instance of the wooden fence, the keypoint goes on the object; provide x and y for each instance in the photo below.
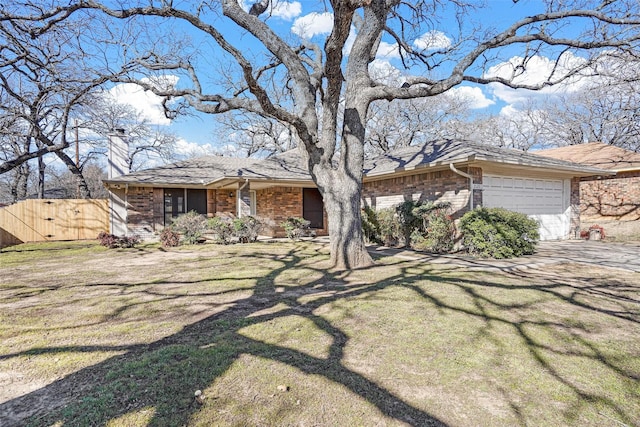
(53, 219)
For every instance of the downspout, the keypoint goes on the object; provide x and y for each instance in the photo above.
(126, 209)
(466, 175)
(246, 182)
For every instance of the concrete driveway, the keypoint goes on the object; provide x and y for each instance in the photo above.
(623, 256)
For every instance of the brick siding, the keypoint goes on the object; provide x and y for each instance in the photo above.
(273, 205)
(574, 205)
(140, 218)
(276, 204)
(442, 186)
(615, 197)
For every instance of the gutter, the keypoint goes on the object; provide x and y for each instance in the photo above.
(466, 175)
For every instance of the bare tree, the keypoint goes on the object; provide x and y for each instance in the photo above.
(607, 113)
(330, 87)
(147, 142)
(44, 80)
(602, 107)
(521, 130)
(65, 184)
(414, 121)
(253, 135)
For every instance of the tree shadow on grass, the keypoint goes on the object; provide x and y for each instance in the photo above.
(165, 373)
(551, 339)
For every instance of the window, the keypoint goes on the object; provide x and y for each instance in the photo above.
(173, 204)
(179, 200)
(251, 201)
(313, 207)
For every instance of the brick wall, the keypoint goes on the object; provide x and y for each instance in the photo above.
(616, 197)
(140, 218)
(443, 186)
(279, 203)
(574, 205)
(225, 202)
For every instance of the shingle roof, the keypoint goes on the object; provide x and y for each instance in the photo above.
(209, 169)
(289, 166)
(596, 154)
(448, 151)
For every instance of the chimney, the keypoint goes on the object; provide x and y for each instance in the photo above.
(118, 154)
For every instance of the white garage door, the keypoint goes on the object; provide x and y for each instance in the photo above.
(545, 200)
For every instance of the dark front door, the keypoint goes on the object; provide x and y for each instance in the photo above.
(313, 207)
(173, 204)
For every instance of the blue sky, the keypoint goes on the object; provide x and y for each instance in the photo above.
(303, 19)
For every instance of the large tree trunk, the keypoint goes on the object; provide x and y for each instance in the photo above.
(342, 203)
(342, 192)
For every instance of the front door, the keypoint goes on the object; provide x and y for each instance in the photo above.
(173, 204)
(313, 207)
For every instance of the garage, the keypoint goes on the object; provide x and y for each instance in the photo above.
(545, 200)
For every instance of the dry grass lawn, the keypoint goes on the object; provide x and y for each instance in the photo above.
(269, 336)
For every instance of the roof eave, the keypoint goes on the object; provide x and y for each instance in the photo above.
(436, 166)
(568, 169)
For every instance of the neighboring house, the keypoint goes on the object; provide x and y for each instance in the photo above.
(606, 199)
(280, 187)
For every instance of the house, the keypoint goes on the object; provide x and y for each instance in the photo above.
(275, 189)
(464, 173)
(611, 201)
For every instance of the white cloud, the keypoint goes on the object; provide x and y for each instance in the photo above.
(146, 102)
(432, 40)
(473, 95)
(538, 70)
(509, 111)
(286, 10)
(388, 50)
(186, 149)
(313, 24)
(382, 71)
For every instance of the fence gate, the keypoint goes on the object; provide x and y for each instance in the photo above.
(53, 219)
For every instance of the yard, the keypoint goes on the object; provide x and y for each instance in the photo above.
(91, 336)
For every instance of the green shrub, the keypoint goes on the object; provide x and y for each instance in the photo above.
(381, 226)
(438, 232)
(498, 233)
(389, 227)
(246, 228)
(371, 226)
(221, 228)
(408, 221)
(407, 224)
(191, 226)
(296, 227)
(169, 238)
